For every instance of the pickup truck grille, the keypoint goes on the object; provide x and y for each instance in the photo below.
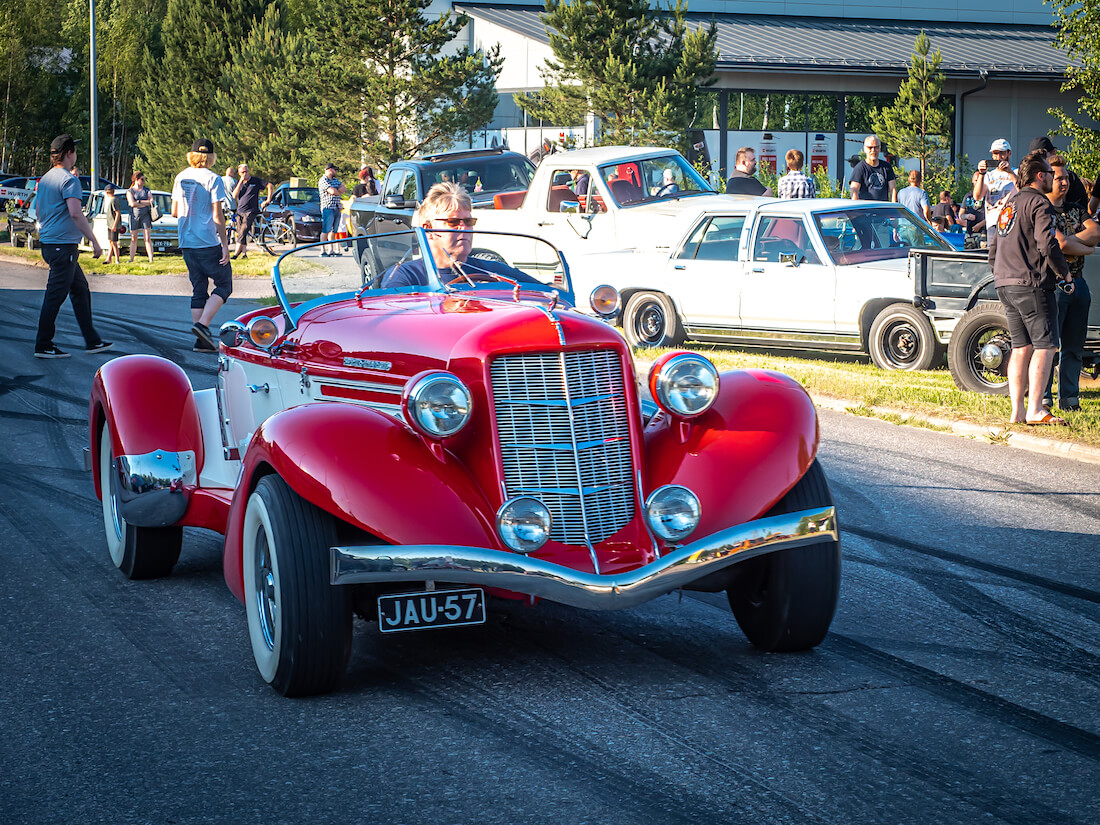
(565, 439)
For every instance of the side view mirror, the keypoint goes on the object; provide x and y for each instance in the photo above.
(792, 259)
(232, 333)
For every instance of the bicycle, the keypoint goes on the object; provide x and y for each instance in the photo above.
(274, 236)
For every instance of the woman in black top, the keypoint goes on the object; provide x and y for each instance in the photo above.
(141, 215)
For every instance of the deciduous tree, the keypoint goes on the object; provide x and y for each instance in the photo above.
(1079, 34)
(637, 68)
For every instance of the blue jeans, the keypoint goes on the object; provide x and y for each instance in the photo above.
(330, 220)
(1073, 319)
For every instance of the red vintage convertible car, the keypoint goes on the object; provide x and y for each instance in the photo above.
(409, 454)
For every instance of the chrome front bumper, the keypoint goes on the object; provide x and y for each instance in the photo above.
(376, 564)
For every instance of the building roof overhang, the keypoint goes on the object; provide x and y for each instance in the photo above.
(788, 43)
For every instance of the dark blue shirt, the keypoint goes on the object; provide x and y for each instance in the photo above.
(413, 273)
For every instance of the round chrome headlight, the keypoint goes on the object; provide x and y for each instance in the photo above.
(438, 404)
(523, 524)
(672, 512)
(604, 300)
(684, 384)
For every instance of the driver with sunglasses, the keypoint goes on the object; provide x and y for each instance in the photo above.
(447, 206)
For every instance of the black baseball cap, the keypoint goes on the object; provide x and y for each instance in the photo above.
(62, 145)
(1041, 143)
(330, 166)
(202, 145)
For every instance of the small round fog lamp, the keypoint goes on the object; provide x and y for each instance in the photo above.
(604, 300)
(672, 512)
(262, 332)
(523, 524)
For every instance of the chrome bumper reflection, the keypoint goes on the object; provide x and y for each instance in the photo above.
(149, 487)
(521, 574)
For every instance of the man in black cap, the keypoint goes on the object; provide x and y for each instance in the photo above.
(198, 200)
(61, 224)
(1076, 196)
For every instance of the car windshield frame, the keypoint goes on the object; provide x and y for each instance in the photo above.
(644, 176)
(907, 232)
(420, 250)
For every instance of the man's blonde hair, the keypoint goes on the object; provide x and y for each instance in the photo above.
(201, 160)
(442, 198)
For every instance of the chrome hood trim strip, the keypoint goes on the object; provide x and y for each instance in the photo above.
(374, 564)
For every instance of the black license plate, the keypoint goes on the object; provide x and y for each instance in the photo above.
(430, 609)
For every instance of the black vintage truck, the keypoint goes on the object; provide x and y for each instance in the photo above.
(959, 285)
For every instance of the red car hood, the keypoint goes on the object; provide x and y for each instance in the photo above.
(441, 330)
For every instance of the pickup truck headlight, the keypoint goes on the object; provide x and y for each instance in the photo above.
(437, 404)
(684, 384)
(309, 219)
(523, 524)
(672, 512)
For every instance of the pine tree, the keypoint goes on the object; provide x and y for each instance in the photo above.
(1079, 35)
(638, 68)
(916, 125)
(391, 83)
(272, 112)
(200, 40)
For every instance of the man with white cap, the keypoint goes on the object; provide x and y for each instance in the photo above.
(995, 181)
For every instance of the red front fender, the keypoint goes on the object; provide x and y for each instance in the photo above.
(368, 470)
(743, 454)
(149, 404)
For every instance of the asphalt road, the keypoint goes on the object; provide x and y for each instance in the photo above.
(960, 682)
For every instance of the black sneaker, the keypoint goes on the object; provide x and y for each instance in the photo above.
(202, 332)
(50, 352)
(102, 346)
(201, 347)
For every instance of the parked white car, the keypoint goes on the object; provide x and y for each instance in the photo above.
(164, 233)
(801, 274)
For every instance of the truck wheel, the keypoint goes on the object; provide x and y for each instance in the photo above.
(902, 338)
(488, 255)
(979, 351)
(785, 600)
(30, 241)
(139, 552)
(650, 320)
(13, 239)
(298, 623)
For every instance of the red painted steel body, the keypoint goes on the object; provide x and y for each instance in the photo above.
(375, 473)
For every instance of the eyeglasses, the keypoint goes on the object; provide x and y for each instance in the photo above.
(455, 223)
(1046, 171)
(870, 145)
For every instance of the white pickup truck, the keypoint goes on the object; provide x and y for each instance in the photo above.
(631, 194)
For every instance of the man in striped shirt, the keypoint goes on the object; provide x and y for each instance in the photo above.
(795, 184)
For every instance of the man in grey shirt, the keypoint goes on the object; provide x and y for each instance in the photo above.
(61, 224)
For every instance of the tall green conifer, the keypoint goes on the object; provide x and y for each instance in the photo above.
(200, 41)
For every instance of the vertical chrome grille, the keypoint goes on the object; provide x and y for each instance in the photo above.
(565, 439)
